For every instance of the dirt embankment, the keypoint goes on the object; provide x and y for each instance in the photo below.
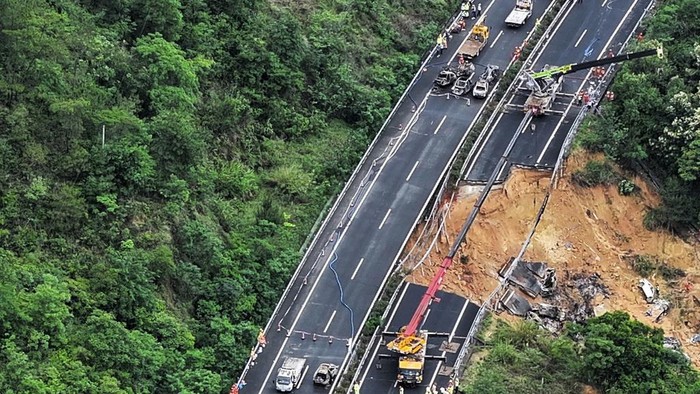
(583, 230)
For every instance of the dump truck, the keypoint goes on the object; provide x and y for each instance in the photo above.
(290, 374)
(325, 374)
(475, 42)
(520, 14)
(411, 365)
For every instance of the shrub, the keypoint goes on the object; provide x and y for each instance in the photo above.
(595, 173)
(626, 187)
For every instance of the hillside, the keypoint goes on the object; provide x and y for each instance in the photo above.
(583, 230)
(162, 163)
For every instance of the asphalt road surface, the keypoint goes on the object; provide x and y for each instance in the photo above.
(588, 32)
(453, 316)
(364, 236)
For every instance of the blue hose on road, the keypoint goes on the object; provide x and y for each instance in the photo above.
(342, 299)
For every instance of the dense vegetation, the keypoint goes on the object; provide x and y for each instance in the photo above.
(146, 262)
(612, 352)
(654, 121)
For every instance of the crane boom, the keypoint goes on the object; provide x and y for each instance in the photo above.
(569, 68)
(428, 297)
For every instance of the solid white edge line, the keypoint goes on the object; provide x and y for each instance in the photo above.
(376, 349)
(483, 144)
(440, 125)
(329, 321)
(605, 47)
(385, 218)
(362, 260)
(449, 339)
(302, 377)
(412, 169)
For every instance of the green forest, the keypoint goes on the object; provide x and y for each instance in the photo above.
(161, 165)
(612, 353)
(652, 127)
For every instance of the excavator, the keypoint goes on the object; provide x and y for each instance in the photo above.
(546, 83)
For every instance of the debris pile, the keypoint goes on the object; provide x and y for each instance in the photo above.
(578, 300)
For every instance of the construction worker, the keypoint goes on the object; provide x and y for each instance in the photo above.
(465, 8)
(356, 388)
(400, 389)
(261, 338)
(473, 11)
(434, 389)
(478, 9)
(440, 44)
(460, 59)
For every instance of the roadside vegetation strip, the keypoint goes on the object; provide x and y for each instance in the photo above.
(496, 100)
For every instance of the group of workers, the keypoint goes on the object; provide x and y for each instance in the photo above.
(428, 389)
(468, 8)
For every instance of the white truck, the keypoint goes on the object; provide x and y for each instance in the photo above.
(290, 374)
(520, 14)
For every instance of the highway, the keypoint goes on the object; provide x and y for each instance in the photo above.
(359, 243)
(587, 32)
(453, 315)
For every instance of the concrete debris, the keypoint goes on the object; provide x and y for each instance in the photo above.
(549, 310)
(515, 302)
(648, 290)
(659, 309)
(534, 278)
(550, 325)
(599, 310)
(549, 316)
(549, 284)
(672, 343)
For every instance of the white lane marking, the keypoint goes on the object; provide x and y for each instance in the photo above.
(378, 345)
(385, 218)
(342, 235)
(534, 60)
(440, 125)
(449, 339)
(500, 33)
(302, 376)
(605, 47)
(481, 148)
(329, 321)
(362, 260)
(580, 38)
(553, 33)
(412, 169)
(604, 2)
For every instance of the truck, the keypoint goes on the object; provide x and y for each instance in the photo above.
(325, 374)
(411, 364)
(521, 12)
(290, 374)
(475, 42)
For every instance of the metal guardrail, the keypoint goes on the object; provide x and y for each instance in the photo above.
(563, 155)
(464, 352)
